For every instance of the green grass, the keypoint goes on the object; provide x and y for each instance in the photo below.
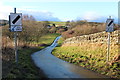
(26, 67)
(56, 22)
(60, 41)
(91, 57)
(48, 39)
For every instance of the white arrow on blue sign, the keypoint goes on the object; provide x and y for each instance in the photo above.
(16, 28)
(15, 22)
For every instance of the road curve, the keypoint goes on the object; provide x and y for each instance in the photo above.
(54, 67)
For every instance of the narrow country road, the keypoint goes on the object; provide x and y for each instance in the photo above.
(54, 67)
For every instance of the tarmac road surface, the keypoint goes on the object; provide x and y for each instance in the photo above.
(54, 67)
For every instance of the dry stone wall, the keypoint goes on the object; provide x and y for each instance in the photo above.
(101, 37)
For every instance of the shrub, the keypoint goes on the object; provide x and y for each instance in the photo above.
(79, 28)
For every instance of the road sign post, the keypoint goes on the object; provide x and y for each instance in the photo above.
(15, 22)
(16, 50)
(108, 49)
(15, 37)
(109, 29)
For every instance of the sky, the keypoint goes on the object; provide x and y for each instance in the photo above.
(62, 10)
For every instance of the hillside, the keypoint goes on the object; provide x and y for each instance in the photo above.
(82, 27)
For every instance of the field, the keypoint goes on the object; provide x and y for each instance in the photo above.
(56, 23)
(92, 56)
(47, 39)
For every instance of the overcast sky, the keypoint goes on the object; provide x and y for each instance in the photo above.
(62, 10)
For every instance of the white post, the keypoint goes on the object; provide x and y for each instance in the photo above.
(108, 49)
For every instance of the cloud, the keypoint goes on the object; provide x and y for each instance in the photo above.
(93, 16)
(5, 11)
(90, 16)
(40, 15)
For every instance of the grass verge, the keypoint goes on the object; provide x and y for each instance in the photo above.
(92, 56)
(26, 69)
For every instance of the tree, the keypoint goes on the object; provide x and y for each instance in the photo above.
(28, 18)
(32, 30)
(32, 18)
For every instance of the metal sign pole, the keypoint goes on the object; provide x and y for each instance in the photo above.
(108, 49)
(15, 42)
(108, 30)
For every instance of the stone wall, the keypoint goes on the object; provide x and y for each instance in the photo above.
(101, 37)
